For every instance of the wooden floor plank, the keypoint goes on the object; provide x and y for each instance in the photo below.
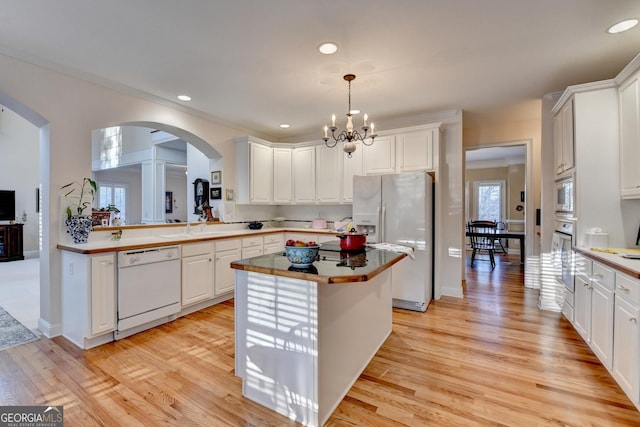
(490, 358)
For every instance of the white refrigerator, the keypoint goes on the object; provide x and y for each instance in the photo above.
(398, 209)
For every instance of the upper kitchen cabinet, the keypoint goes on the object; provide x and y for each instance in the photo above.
(282, 175)
(254, 176)
(328, 174)
(629, 138)
(351, 166)
(415, 150)
(304, 174)
(379, 157)
(563, 136)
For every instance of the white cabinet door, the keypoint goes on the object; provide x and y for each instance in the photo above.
(626, 347)
(582, 307)
(273, 243)
(197, 278)
(224, 274)
(564, 138)
(260, 175)
(304, 174)
(282, 175)
(602, 324)
(415, 150)
(629, 139)
(380, 157)
(103, 293)
(351, 166)
(328, 174)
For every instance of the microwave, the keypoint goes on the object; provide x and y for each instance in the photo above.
(564, 195)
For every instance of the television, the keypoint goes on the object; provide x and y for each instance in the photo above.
(7, 205)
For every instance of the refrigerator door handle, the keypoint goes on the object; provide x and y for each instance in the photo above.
(382, 222)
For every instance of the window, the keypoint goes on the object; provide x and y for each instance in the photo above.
(489, 200)
(113, 194)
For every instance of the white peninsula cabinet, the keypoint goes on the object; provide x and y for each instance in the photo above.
(197, 272)
(88, 298)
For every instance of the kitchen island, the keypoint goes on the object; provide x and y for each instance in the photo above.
(304, 336)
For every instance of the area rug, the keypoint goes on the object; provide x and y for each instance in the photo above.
(12, 332)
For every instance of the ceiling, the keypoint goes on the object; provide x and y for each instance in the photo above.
(254, 64)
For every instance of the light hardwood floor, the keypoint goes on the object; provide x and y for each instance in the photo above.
(491, 358)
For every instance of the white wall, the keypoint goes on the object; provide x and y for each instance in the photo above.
(19, 171)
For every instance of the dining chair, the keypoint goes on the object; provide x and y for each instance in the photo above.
(500, 227)
(481, 240)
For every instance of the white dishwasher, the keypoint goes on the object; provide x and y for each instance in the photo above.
(148, 288)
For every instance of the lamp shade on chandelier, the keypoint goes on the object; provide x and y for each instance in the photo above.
(348, 136)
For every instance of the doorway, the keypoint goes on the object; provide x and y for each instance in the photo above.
(504, 172)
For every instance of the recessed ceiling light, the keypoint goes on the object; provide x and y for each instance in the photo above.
(328, 48)
(621, 26)
(184, 97)
(285, 125)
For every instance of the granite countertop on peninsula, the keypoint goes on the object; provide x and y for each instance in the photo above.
(614, 259)
(323, 270)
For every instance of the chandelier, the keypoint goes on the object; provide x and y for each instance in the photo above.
(349, 136)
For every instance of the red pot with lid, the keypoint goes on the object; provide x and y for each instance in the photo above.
(352, 240)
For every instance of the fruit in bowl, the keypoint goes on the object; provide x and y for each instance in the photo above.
(300, 253)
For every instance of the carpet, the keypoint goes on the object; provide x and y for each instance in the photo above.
(12, 332)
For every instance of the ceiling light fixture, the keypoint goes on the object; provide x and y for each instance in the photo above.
(328, 48)
(622, 26)
(285, 125)
(184, 97)
(348, 136)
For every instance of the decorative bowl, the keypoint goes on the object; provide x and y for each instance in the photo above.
(301, 256)
(255, 225)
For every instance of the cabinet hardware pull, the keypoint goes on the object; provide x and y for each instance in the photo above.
(623, 288)
(599, 275)
(632, 319)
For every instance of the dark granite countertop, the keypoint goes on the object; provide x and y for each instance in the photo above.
(332, 267)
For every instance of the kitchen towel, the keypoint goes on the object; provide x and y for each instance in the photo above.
(393, 247)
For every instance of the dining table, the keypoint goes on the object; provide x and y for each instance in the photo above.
(502, 234)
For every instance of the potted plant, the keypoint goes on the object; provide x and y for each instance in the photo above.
(80, 197)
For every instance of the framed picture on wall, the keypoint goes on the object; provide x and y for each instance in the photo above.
(215, 177)
(216, 193)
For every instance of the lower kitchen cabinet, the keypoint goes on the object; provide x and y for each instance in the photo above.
(582, 307)
(626, 343)
(602, 323)
(252, 246)
(88, 298)
(273, 243)
(197, 272)
(593, 308)
(226, 251)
